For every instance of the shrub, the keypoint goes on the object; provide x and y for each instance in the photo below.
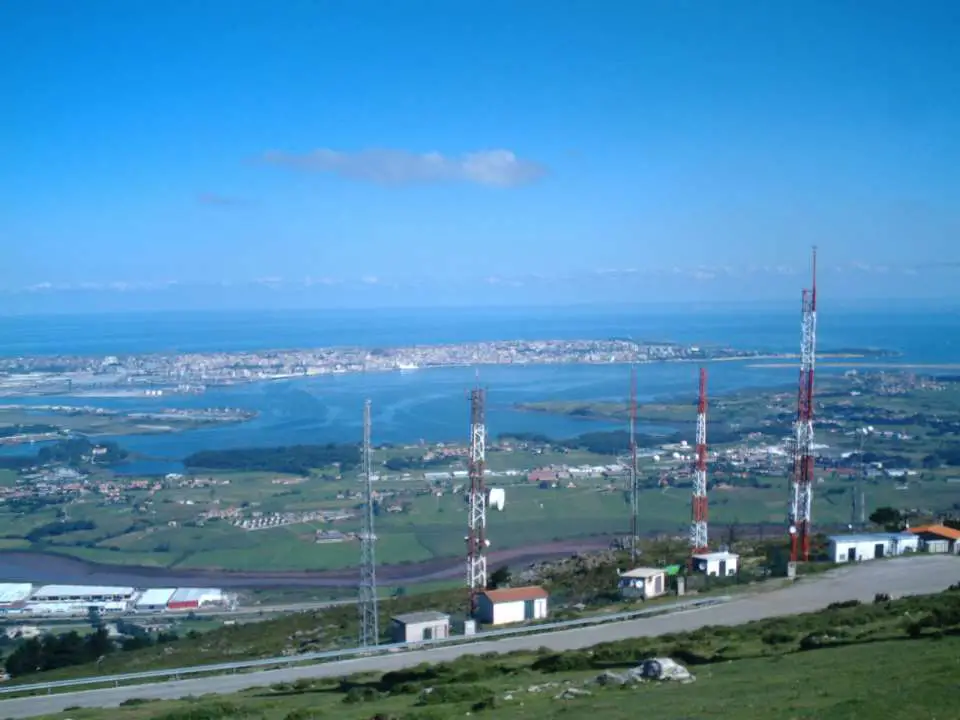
(489, 703)
(447, 694)
(303, 714)
(361, 694)
(563, 662)
(207, 711)
(915, 629)
(843, 604)
(881, 598)
(690, 657)
(778, 638)
(814, 641)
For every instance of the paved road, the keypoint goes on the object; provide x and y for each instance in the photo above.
(901, 576)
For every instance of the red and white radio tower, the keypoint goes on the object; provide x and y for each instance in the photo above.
(477, 514)
(698, 524)
(801, 495)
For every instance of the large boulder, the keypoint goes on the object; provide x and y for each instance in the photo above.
(662, 669)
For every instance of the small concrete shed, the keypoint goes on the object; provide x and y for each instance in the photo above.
(643, 583)
(420, 626)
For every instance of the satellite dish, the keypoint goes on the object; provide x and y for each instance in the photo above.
(793, 530)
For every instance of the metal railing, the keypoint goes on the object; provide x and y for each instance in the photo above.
(332, 655)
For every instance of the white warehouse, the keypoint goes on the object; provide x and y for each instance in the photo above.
(82, 594)
(870, 546)
(512, 605)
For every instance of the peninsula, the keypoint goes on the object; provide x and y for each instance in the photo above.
(164, 374)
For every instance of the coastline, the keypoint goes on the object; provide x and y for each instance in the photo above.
(768, 360)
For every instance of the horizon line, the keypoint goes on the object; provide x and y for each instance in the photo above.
(708, 306)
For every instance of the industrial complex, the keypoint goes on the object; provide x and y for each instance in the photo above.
(25, 599)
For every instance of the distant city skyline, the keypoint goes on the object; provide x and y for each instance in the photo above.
(324, 153)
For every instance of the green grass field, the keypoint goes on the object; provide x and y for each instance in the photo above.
(163, 528)
(895, 660)
(429, 527)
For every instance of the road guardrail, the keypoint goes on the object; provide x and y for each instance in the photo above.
(347, 653)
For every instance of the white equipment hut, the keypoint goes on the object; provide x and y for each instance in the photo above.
(643, 583)
(721, 564)
(420, 626)
(512, 605)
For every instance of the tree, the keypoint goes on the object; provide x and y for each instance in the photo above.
(499, 577)
(733, 532)
(93, 617)
(890, 518)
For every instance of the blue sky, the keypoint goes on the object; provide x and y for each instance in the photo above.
(221, 154)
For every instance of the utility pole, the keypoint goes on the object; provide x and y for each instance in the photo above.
(477, 514)
(367, 602)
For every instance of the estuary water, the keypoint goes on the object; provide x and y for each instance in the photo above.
(432, 404)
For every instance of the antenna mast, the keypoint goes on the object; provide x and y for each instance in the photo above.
(698, 524)
(369, 616)
(634, 473)
(858, 505)
(477, 515)
(801, 496)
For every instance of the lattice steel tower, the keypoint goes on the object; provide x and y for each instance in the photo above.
(634, 471)
(367, 602)
(698, 525)
(477, 499)
(801, 490)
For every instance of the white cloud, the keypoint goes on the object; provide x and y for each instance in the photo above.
(400, 167)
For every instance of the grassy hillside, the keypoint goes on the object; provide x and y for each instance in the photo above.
(898, 659)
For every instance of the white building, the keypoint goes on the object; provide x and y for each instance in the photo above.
(420, 626)
(869, 546)
(195, 598)
(721, 564)
(82, 594)
(12, 593)
(643, 582)
(79, 599)
(512, 605)
(154, 599)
